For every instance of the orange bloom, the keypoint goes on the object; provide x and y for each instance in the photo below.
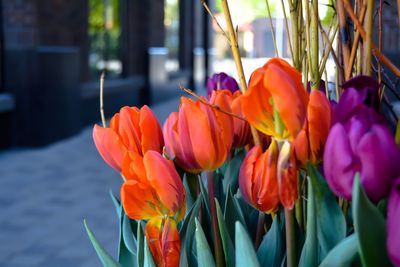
(152, 188)
(309, 143)
(230, 102)
(269, 178)
(197, 137)
(164, 242)
(130, 130)
(276, 86)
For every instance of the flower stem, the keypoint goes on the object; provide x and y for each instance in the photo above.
(290, 238)
(219, 257)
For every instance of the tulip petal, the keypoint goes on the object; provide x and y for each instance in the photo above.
(153, 236)
(287, 176)
(165, 180)
(151, 134)
(109, 145)
(339, 162)
(379, 158)
(170, 244)
(129, 128)
(246, 173)
(138, 200)
(289, 96)
(133, 167)
(393, 219)
(302, 146)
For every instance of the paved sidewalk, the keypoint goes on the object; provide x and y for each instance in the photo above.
(46, 193)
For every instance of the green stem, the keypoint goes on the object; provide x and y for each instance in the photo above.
(290, 239)
(294, 15)
(315, 46)
(219, 257)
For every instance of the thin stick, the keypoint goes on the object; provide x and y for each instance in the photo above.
(190, 92)
(273, 29)
(215, 19)
(315, 46)
(287, 30)
(380, 45)
(368, 41)
(355, 45)
(236, 56)
(377, 53)
(329, 48)
(308, 45)
(343, 36)
(103, 118)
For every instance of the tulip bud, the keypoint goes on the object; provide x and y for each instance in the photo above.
(221, 81)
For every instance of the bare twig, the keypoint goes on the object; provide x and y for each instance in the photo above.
(287, 30)
(378, 54)
(215, 19)
(103, 119)
(343, 36)
(380, 44)
(355, 45)
(202, 100)
(272, 28)
(369, 36)
(329, 49)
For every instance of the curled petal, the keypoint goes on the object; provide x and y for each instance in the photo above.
(109, 145)
(287, 176)
(393, 219)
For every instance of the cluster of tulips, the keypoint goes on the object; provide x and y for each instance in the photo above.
(283, 128)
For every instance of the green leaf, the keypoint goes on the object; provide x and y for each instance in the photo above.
(140, 245)
(369, 226)
(117, 204)
(232, 213)
(187, 234)
(245, 254)
(204, 192)
(272, 248)
(103, 255)
(331, 222)
(227, 244)
(128, 236)
(343, 254)
(204, 255)
(232, 171)
(309, 254)
(148, 258)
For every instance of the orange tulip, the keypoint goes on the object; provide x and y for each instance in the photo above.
(164, 242)
(309, 143)
(230, 102)
(269, 178)
(130, 130)
(197, 137)
(152, 188)
(276, 100)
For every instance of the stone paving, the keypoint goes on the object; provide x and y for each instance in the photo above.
(46, 193)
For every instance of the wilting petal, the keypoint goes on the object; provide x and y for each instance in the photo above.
(138, 200)
(287, 176)
(109, 145)
(393, 219)
(265, 188)
(339, 163)
(151, 134)
(380, 160)
(163, 177)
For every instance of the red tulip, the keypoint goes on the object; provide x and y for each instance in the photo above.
(131, 130)
(198, 137)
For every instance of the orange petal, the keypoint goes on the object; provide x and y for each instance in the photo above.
(290, 99)
(109, 145)
(319, 123)
(128, 128)
(223, 99)
(163, 177)
(242, 132)
(256, 104)
(266, 183)
(287, 176)
(138, 200)
(154, 238)
(170, 244)
(151, 134)
(301, 145)
(246, 174)
(133, 167)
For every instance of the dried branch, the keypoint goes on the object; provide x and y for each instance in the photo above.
(103, 119)
(215, 20)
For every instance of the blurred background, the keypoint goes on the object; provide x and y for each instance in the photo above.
(51, 56)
